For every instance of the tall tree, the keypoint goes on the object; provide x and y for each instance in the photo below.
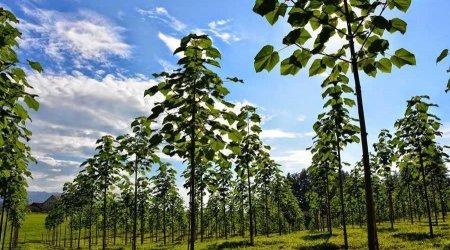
(359, 27)
(190, 126)
(139, 149)
(415, 140)
(384, 155)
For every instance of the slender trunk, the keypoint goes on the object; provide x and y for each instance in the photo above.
(411, 215)
(201, 210)
(105, 189)
(442, 205)
(71, 231)
(4, 231)
(422, 168)
(391, 207)
(433, 194)
(267, 212)
(142, 223)
(250, 205)
(330, 227)
(11, 231)
(278, 209)
(133, 241)
(192, 168)
(164, 220)
(3, 211)
(370, 205)
(341, 188)
(172, 229)
(79, 231)
(90, 220)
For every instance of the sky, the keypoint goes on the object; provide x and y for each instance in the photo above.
(99, 57)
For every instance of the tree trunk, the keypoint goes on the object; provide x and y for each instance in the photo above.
(105, 189)
(79, 231)
(422, 168)
(133, 241)
(341, 189)
(370, 205)
(267, 212)
(192, 174)
(250, 205)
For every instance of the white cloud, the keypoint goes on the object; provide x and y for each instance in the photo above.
(301, 118)
(171, 42)
(279, 133)
(220, 30)
(294, 160)
(85, 36)
(160, 13)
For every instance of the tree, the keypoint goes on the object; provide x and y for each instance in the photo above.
(415, 140)
(164, 185)
(15, 99)
(352, 24)
(140, 150)
(192, 94)
(108, 163)
(245, 151)
(384, 154)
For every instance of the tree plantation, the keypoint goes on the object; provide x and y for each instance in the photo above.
(197, 169)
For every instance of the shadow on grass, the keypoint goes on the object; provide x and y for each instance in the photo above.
(322, 236)
(229, 245)
(387, 229)
(321, 246)
(413, 236)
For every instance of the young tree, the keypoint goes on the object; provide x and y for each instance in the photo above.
(192, 94)
(139, 149)
(359, 27)
(384, 154)
(415, 140)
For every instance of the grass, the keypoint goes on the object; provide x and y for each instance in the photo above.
(404, 236)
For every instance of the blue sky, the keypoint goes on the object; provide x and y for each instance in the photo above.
(98, 58)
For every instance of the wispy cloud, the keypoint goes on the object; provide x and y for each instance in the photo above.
(279, 133)
(294, 160)
(80, 37)
(161, 14)
(220, 29)
(301, 118)
(171, 42)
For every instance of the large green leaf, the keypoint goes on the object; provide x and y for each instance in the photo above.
(402, 57)
(266, 59)
(317, 67)
(397, 24)
(280, 10)
(263, 7)
(31, 102)
(384, 65)
(402, 5)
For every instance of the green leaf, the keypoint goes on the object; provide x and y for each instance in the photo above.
(380, 22)
(36, 66)
(443, 54)
(31, 102)
(266, 59)
(289, 66)
(402, 5)
(378, 45)
(280, 10)
(397, 24)
(317, 68)
(402, 57)
(235, 136)
(18, 109)
(299, 36)
(384, 65)
(263, 7)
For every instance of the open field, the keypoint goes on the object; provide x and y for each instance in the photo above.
(404, 236)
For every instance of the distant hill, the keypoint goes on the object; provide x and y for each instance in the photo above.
(44, 207)
(39, 197)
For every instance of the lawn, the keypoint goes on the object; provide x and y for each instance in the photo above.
(404, 236)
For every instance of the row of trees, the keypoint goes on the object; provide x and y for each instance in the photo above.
(408, 168)
(15, 101)
(233, 183)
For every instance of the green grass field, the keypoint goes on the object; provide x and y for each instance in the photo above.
(405, 236)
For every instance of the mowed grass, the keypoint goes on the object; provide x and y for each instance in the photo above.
(404, 236)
